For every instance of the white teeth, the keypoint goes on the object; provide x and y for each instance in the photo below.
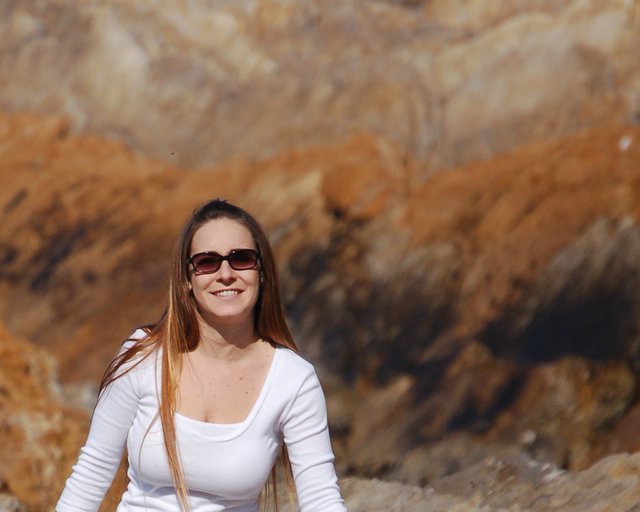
(226, 293)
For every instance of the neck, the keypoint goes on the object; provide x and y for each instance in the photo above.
(227, 342)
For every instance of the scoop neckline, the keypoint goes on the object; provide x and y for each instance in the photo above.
(235, 429)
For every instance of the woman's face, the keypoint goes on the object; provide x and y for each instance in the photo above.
(226, 296)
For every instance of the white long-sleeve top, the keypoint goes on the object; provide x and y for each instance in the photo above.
(225, 465)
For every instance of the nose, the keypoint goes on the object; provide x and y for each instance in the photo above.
(225, 272)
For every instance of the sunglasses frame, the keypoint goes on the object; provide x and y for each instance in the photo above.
(227, 257)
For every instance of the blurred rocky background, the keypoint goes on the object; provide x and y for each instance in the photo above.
(452, 188)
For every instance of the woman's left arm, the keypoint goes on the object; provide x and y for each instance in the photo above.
(306, 435)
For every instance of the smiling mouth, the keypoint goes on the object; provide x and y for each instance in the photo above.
(226, 293)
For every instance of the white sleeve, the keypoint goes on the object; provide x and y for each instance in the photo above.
(306, 435)
(101, 455)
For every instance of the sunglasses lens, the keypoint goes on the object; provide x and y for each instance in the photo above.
(243, 259)
(206, 263)
(210, 262)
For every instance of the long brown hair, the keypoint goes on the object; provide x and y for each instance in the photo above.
(178, 332)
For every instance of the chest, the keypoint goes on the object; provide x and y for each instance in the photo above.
(221, 463)
(223, 460)
(221, 393)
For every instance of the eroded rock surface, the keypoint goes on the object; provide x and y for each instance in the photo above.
(199, 82)
(39, 436)
(449, 314)
(451, 189)
(510, 484)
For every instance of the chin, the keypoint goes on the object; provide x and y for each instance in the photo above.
(228, 318)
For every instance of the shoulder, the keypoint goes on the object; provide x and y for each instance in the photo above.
(295, 374)
(293, 364)
(134, 339)
(138, 334)
(134, 355)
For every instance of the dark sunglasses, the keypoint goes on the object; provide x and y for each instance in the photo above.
(210, 262)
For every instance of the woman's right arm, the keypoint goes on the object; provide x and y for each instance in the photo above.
(100, 457)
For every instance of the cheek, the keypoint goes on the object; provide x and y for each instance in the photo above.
(198, 285)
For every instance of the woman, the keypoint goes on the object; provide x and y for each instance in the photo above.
(206, 399)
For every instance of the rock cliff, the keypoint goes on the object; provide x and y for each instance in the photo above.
(516, 273)
(198, 82)
(39, 435)
(451, 189)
